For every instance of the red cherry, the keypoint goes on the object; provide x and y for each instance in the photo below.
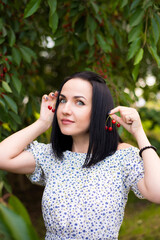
(53, 110)
(106, 127)
(113, 121)
(118, 124)
(110, 129)
(6, 59)
(49, 107)
(4, 69)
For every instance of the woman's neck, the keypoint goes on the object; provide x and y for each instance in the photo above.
(80, 145)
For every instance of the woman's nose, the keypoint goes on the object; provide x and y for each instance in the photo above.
(67, 108)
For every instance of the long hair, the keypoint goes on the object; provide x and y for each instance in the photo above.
(102, 143)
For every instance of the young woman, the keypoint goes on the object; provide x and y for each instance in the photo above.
(86, 169)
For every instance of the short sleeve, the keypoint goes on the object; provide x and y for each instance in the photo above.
(43, 156)
(135, 170)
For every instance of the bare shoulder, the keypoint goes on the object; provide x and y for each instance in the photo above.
(123, 146)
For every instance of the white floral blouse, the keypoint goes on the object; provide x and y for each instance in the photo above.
(85, 203)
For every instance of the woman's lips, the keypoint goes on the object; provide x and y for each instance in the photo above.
(66, 121)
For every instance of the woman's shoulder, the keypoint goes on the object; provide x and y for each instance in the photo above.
(128, 150)
(124, 146)
(40, 148)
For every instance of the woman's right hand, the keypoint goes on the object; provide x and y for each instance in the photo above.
(47, 108)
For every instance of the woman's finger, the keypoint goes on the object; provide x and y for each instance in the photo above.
(115, 110)
(51, 95)
(45, 97)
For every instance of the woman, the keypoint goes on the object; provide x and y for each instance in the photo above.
(87, 171)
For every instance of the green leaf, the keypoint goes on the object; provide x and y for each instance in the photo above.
(136, 17)
(91, 23)
(135, 33)
(17, 83)
(157, 19)
(19, 208)
(31, 7)
(103, 44)
(2, 40)
(146, 4)
(90, 37)
(53, 21)
(153, 51)
(134, 4)
(12, 124)
(135, 45)
(27, 53)
(53, 5)
(7, 77)
(1, 23)
(2, 103)
(15, 117)
(139, 56)
(124, 3)
(60, 41)
(135, 72)
(11, 103)
(4, 32)
(94, 6)
(14, 223)
(16, 55)
(82, 46)
(6, 87)
(12, 37)
(155, 30)
(7, 186)
(4, 114)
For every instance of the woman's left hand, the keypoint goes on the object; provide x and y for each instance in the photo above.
(129, 119)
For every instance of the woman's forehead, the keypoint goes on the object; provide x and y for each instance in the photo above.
(77, 86)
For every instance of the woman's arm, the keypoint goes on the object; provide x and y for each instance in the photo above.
(13, 158)
(149, 186)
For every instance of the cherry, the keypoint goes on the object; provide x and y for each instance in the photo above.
(106, 127)
(49, 107)
(113, 121)
(4, 69)
(53, 110)
(110, 129)
(118, 124)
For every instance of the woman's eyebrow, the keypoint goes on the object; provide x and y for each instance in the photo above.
(61, 95)
(73, 97)
(80, 97)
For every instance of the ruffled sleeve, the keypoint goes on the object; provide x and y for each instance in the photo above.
(135, 171)
(43, 156)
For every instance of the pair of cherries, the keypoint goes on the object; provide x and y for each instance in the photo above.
(111, 128)
(50, 108)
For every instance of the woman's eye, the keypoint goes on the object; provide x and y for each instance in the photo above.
(62, 100)
(80, 102)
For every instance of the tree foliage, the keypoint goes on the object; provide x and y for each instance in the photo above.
(119, 40)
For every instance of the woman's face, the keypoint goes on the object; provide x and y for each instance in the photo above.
(74, 110)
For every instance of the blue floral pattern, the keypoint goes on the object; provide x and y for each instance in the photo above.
(85, 203)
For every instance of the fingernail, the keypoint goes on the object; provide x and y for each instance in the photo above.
(109, 112)
(46, 98)
(52, 94)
